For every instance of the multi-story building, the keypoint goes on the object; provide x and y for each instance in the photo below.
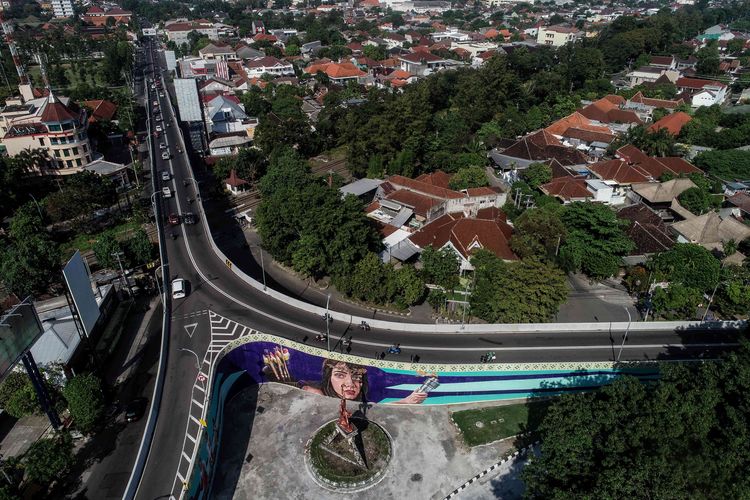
(178, 32)
(53, 124)
(62, 8)
(557, 36)
(268, 66)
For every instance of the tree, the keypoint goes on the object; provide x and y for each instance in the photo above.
(49, 459)
(440, 267)
(708, 59)
(410, 286)
(139, 249)
(699, 201)
(733, 295)
(292, 50)
(728, 165)
(17, 395)
(675, 302)
(537, 174)
(105, 248)
(517, 292)
(595, 239)
(468, 177)
(375, 52)
(85, 401)
(683, 435)
(688, 264)
(539, 232)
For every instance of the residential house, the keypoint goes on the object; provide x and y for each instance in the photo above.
(741, 201)
(340, 73)
(608, 111)
(660, 195)
(218, 52)
(647, 231)
(486, 230)
(230, 144)
(101, 110)
(421, 63)
(245, 52)
(224, 114)
(234, 184)
(656, 167)
(620, 175)
(178, 32)
(97, 16)
(702, 92)
(540, 146)
(710, 230)
(672, 123)
(268, 65)
(115, 172)
(575, 130)
(665, 62)
(650, 74)
(645, 106)
(451, 35)
(557, 36)
(567, 189)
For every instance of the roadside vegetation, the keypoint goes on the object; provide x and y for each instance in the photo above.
(486, 425)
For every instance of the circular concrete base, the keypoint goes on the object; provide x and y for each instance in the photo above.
(322, 464)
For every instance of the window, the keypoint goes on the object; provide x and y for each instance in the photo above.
(88, 159)
(69, 163)
(78, 162)
(75, 151)
(41, 141)
(66, 152)
(54, 128)
(53, 140)
(57, 153)
(85, 148)
(67, 126)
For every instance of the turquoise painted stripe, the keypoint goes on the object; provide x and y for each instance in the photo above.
(473, 398)
(524, 372)
(517, 385)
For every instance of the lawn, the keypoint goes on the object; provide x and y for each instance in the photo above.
(92, 77)
(499, 422)
(84, 242)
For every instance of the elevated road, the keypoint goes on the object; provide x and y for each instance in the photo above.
(215, 287)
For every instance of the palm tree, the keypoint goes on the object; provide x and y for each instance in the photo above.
(32, 160)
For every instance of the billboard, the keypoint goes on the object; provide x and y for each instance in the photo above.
(170, 59)
(346, 377)
(79, 283)
(188, 103)
(19, 329)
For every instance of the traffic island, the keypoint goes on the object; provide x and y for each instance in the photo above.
(348, 463)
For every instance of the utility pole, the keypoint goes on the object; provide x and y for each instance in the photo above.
(328, 319)
(625, 337)
(122, 272)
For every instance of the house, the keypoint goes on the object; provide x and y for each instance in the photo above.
(666, 62)
(540, 146)
(702, 92)
(229, 144)
(608, 111)
(421, 63)
(245, 52)
(218, 51)
(660, 195)
(268, 65)
(340, 73)
(567, 189)
(178, 32)
(710, 230)
(115, 172)
(650, 74)
(656, 167)
(672, 123)
(647, 231)
(486, 230)
(557, 36)
(645, 106)
(56, 125)
(97, 16)
(224, 114)
(740, 200)
(234, 184)
(101, 110)
(575, 130)
(620, 175)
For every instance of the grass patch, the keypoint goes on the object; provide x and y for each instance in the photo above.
(91, 76)
(84, 242)
(499, 422)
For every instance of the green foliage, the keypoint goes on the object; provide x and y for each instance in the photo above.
(699, 201)
(379, 283)
(675, 302)
(440, 267)
(728, 165)
(29, 259)
(49, 459)
(712, 128)
(378, 53)
(81, 195)
(708, 59)
(85, 401)
(595, 239)
(537, 174)
(527, 291)
(539, 232)
(733, 294)
(687, 264)
(249, 163)
(17, 395)
(682, 436)
(105, 249)
(469, 177)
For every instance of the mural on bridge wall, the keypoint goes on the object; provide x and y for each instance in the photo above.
(258, 359)
(342, 377)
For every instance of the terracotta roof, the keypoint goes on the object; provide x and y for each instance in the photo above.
(656, 103)
(679, 165)
(56, 111)
(481, 191)
(439, 179)
(466, 235)
(588, 135)
(101, 110)
(95, 9)
(662, 60)
(673, 123)
(567, 188)
(655, 166)
(574, 120)
(697, 83)
(618, 171)
(344, 70)
(740, 200)
(235, 181)
(646, 230)
(606, 111)
(420, 203)
(558, 170)
(424, 188)
(544, 146)
(421, 57)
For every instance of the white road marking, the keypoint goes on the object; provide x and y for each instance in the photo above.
(190, 329)
(198, 403)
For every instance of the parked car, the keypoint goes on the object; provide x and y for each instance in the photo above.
(158, 128)
(179, 288)
(166, 192)
(174, 219)
(165, 155)
(162, 145)
(135, 409)
(165, 176)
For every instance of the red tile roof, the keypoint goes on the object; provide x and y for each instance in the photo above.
(673, 123)
(439, 178)
(697, 83)
(101, 110)
(619, 171)
(655, 166)
(574, 120)
(656, 103)
(567, 188)
(421, 57)
(56, 111)
(606, 111)
(424, 188)
(235, 181)
(544, 146)
(420, 203)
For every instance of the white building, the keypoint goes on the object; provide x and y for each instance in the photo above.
(557, 36)
(62, 8)
(256, 68)
(178, 32)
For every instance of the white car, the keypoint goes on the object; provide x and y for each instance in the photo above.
(159, 129)
(166, 192)
(162, 146)
(165, 155)
(179, 288)
(165, 175)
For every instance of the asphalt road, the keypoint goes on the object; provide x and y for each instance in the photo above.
(214, 287)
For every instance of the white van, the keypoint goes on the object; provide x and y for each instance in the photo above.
(166, 192)
(179, 288)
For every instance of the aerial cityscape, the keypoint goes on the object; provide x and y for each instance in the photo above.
(428, 249)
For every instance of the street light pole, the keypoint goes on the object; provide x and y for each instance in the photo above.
(197, 359)
(328, 330)
(38, 209)
(122, 272)
(156, 277)
(625, 337)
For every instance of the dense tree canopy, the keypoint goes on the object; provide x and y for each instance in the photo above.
(85, 400)
(683, 436)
